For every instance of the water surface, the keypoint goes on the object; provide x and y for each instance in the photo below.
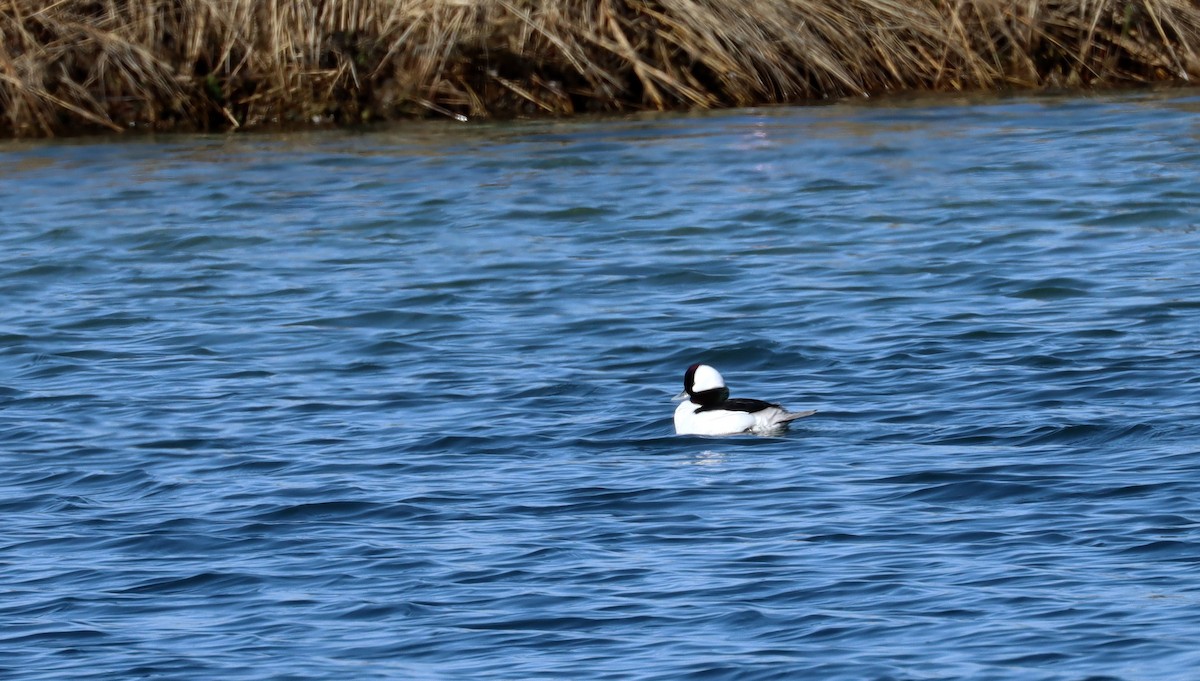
(394, 404)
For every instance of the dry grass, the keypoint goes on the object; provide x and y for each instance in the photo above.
(74, 65)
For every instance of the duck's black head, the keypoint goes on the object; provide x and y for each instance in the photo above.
(704, 385)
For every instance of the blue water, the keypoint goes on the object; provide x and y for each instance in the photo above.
(395, 404)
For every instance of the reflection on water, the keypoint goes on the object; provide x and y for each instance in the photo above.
(708, 458)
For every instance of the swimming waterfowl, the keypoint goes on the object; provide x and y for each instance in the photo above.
(707, 408)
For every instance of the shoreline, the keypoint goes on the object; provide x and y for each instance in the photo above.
(77, 67)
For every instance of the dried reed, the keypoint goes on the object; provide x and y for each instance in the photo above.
(77, 65)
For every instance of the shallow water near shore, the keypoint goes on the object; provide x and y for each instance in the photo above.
(395, 404)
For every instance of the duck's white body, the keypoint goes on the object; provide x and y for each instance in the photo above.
(707, 409)
(723, 422)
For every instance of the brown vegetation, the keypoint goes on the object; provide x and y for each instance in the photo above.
(76, 65)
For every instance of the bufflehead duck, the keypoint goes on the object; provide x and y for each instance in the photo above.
(707, 409)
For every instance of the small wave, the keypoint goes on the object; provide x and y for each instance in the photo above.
(201, 583)
(977, 491)
(1086, 433)
(339, 511)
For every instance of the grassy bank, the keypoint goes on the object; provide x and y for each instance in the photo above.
(70, 66)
